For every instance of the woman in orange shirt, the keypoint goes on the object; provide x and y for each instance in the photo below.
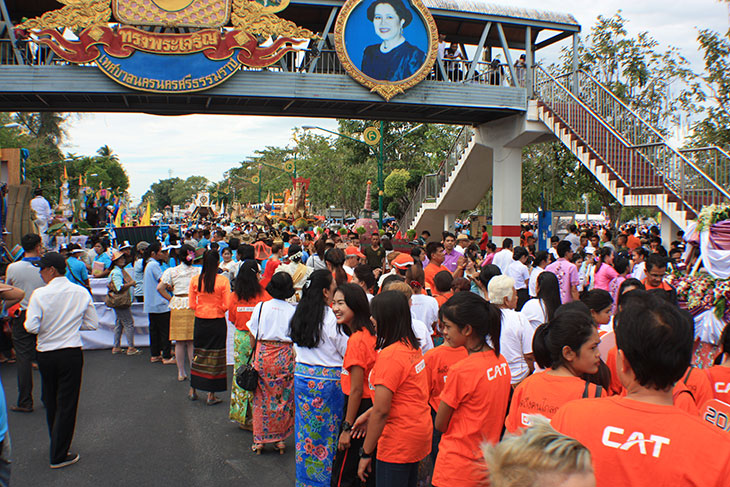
(209, 297)
(350, 306)
(476, 390)
(335, 259)
(399, 422)
(247, 293)
(719, 373)
(567, 346)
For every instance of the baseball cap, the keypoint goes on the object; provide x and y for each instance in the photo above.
(352, 251)
(141, 246)
(403, 261)
(53, 259)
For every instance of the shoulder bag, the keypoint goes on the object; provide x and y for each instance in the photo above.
(116, 298)
(247, 377)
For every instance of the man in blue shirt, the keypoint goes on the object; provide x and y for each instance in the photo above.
(205, 239)
(157, 307)
(75, 269)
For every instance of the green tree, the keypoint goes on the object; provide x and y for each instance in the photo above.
(161, 192)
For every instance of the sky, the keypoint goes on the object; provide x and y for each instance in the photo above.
(154, 147)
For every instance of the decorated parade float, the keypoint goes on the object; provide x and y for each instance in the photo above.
(703, 285)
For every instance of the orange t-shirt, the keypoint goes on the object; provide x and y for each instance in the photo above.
(360, 351)
(210, 305)
(637, 443)
(683, 399)
(616, 386)
(478, 389)
(719, 377)
(442, 298)
(544, 394)
(239, 311)
(406, 437)
(438, 360)
(431, 270)
(632, 242)
(699, 384)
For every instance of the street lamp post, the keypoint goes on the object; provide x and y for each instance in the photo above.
(374, 139)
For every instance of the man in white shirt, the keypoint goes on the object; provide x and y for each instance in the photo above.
(25, 275)
(43, 214)
(462, 243)
(57, 313)
(503, 258)
(573, 238)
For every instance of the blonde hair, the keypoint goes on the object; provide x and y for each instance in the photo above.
(391, 257)
(401, 287)
(500, 287)
(539, 457)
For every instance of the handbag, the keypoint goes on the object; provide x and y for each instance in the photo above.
(116, 298)
(247, 377)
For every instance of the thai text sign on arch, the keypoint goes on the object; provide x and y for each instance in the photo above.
(170, 62)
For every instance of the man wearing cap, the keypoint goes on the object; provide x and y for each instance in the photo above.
(57, 313)
(375, 253)
(462, 243)
(352, 259)
(25, 275)
(76, 271)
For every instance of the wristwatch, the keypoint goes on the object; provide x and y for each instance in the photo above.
(346, 426)
(365, 455)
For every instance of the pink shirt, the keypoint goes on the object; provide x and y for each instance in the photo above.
(567, 276)
(604, 276)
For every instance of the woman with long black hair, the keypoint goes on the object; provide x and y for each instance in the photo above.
(209, 296)
(247, 293)
(335, 259)
(320, 344)
(399, 423)
(541, 309)
(351, 308)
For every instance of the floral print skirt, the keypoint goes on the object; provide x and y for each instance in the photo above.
(319, 406)
(241, 399)
(273, 400)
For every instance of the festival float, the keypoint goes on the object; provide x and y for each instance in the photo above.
(703, 287)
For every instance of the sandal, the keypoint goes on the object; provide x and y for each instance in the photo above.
(117, 350)
(213, 401)
(257, 448)
(193, 396)
(281, 446)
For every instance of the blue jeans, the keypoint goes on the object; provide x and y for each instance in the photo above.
(396, 474)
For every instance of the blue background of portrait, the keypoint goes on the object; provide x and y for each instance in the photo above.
(359, 32)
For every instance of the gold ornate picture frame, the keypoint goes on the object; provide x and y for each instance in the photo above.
(388, 46)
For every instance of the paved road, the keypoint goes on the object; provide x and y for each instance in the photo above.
(136, 427)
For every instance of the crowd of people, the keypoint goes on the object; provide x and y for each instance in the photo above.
(433, 362)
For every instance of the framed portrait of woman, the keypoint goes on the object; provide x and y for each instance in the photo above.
(386, 45)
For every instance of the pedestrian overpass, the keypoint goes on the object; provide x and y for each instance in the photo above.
(502, 107)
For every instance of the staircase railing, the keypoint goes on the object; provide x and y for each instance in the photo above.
(432, 184)
(637, 155)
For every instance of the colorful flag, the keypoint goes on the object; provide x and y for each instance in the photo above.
(146, 218)
(118, 219)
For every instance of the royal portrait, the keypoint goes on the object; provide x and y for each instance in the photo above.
(389, 43)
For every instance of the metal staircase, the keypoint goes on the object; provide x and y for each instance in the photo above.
(433, 186)
(626, 154)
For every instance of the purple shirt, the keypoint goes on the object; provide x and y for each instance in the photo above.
(567, 276)
(451, 259)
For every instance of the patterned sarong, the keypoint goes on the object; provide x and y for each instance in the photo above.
(319, 405)
(208, 371)
(241, 399)
(273, 400)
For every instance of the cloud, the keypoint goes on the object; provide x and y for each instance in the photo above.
(152, 147)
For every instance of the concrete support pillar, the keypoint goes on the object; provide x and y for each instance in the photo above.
(506, 194)
(450, 222)
(668, 231)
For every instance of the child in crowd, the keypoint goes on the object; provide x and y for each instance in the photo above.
(476, 391)
(719, 374)
(642, 438)
(567, 346)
